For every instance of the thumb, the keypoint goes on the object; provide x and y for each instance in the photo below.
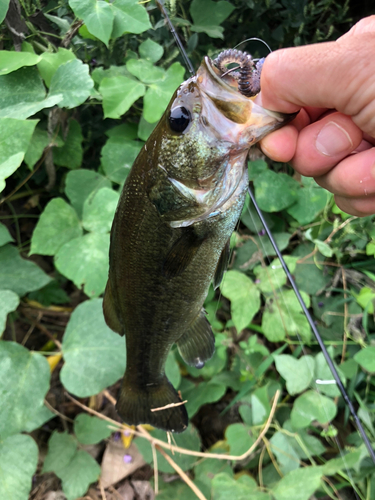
(335, 75)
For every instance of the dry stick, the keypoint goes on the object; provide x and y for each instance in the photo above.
(171, 405)
(181, 473)
(156, 472)
(102, 492)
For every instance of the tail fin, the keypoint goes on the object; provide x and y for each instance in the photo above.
(135, 403)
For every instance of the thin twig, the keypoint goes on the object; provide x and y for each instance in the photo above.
(345, 337)
(56, 412)
(156, 472)
(171, 405)
(102, 492)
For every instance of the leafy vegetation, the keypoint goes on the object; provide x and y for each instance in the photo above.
(82, 84)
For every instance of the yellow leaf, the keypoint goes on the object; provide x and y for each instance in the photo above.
(53, 361)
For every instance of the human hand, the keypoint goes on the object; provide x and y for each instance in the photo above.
(332, 138)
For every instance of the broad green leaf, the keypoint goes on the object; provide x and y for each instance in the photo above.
(11, 60)
(298, 484)
(5, 236)
(252, 251)
(8, 302)
(310, 278)
(49, 62)
(97, 15)
(22, 94)
(99, 210)
(24, 382)
(61, 450)
(113, 71)
(311, 200)
(19, 459)
(15, 136)
(145, 129)
(71, 153)
(84, 260)
(323, 379)
(38, 142)
(189, 439)
(283, 315)
(323, 248)
(208, 15)
(273, 277)
(206, 469)
(4, 6)
(57, 225)
(281, 446)
(130, 16)
(203, 393)
(238, 438)
(119, 93)
(144, 70)
(159, 93)
(39, 418)
(312, 406)
(348, 461)
(61, 23)
(118, 156)
(366, 358)
(298, 373)
(256, 167)
(19, 275)
(124, 132)
(172, 370)
(151, 50)
(80, 184)
(274, 192)
(310, 446)
(176, 489)
(50, 294)
(225, 487)
(366, 299)
(94, 355)
(73, 82)
(244, 297)
(90, 430)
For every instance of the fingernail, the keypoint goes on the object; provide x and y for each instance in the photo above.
(333, 140)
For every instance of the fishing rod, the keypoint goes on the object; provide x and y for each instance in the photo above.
(306, 312)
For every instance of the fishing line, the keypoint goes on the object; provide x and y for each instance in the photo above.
(256, 40)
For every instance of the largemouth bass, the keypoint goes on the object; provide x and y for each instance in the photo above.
(170, 236)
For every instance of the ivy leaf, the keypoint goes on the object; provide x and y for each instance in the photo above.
(312, 406)
(119, 93)
(99, 210)
(205, 392)
(243, 488)
(24, 382)
(238, 438)
(298, 484)
(5, 236)
(71, 153)
(39, 418)
(19, 275)
(84, 260)
(4, 6)
(39, 141)
(310, 202)
(50, 294)
(80, 184)
(366, 358)
(22, 94)
(208, 15)
(61, 450)
(244, 297)
(11, 60)
(97, 15)
(73, 82)
(130, 17)
(172, 370)
(94, 355)
(118, 156)
(8, 302)
(144, 70)
(49, 62)
(272, 277)
(298, 373)
(15, 136)
(151, 50)
(275, 191)
(19, 459)
(90, 430)
(57, 225)
(159, 93)
(323, 372)
(284, 451)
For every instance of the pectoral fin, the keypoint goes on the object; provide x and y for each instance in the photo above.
(222, 265)
(181, 253)
(110, 315)
(197, 345)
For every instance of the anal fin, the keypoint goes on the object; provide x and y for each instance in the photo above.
(222, 265)
(110, 314)
(197, 345)
(181, 253)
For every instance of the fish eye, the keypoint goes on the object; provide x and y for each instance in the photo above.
(179, 119)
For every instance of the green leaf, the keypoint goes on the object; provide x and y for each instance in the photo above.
(15, 136)
(283, 315)
(274, 192)
(71, 153)
(130, 17)
(145, 129)
(118, 156)
(50, 294)
(90, 430)
(172, 370)
(99, 210)
(298, 484)
(73, 82)
(282, 447)
(61, 450)
(244, 297)
(366, 299)
(244, 488)
(252, 251)
(97, 15)
(310, 202)
(8, 302)
(151, 50)
(312, 406)
(119, 93)
(94, 355)
(11, 60)
(4, 6)
(84, 260)
(19, 459)
(49, 62)
(256, 167)
(39, 418)
(19, 275)
(80, 184)
(24, 382)
(238, 438)
(5, 236)
(159, 93)
(205, 392)
(323, 248)
(189, 439)
(298, 373)
(144, 70)
(348, 461)
(323, 375)
(208, 15)
(113, 71)
(366, 358)
(38, 142)
(57, 225)
(272, 277)
(22, 94)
